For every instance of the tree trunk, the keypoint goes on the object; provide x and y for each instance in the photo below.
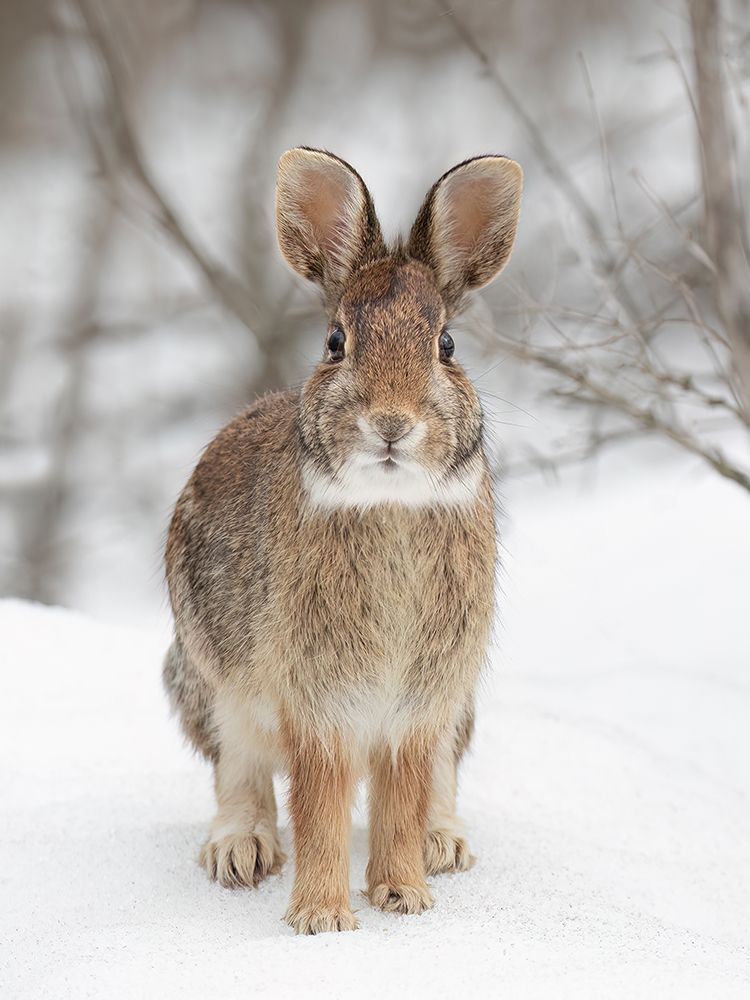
(726, 225)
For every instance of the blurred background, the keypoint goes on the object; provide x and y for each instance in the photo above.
(143, 300)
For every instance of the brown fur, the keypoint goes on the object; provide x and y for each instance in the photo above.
(322, 786)
(329, 642)
(400, 801)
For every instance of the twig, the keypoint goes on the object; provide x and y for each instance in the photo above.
(540, 462)
(646, 418)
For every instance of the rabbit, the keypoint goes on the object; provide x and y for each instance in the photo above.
(331, 561)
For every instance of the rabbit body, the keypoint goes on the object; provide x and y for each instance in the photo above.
(331, 569)
(336, 624)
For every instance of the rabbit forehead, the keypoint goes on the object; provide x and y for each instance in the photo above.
(392, 297)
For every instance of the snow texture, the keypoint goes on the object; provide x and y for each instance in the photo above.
(606, 795)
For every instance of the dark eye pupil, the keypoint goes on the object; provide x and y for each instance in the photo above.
(335, 344)
(447, 346)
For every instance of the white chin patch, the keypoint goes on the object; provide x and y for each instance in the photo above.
(363, 482)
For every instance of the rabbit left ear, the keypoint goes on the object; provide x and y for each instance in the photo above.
(466, 227)
(325, 218)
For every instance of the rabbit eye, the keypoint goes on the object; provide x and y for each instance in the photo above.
(446, 345)
(335, 344)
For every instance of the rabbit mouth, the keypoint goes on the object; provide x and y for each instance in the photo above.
(389, 460)
(388, 454)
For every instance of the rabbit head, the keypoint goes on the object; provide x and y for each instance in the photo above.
(389, 415)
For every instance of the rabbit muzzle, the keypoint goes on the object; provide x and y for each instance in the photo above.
(391, 440)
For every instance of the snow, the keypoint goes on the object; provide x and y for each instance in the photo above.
(606, 795)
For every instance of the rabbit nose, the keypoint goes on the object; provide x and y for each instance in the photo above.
(391, 426)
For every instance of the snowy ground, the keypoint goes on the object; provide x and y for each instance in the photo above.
(607, 794)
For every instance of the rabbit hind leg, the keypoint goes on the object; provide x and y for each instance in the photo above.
(243, 845)
(446, 848)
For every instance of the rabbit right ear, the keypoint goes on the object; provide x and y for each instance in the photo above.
(325, 219)
(467, 225)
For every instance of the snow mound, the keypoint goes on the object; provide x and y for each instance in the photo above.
(606, 796)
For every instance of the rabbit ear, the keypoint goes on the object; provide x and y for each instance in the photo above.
(325, 219)
(467, 224)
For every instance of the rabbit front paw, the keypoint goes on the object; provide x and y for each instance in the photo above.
(307, 918)
(242, 859)
(400, 898)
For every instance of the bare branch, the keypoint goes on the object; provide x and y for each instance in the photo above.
(227, 289)
(647, 419)
(555, 168)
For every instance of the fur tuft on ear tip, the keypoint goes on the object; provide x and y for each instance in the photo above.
(467, 225)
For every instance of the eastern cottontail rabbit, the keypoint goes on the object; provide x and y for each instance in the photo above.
(331, 560)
